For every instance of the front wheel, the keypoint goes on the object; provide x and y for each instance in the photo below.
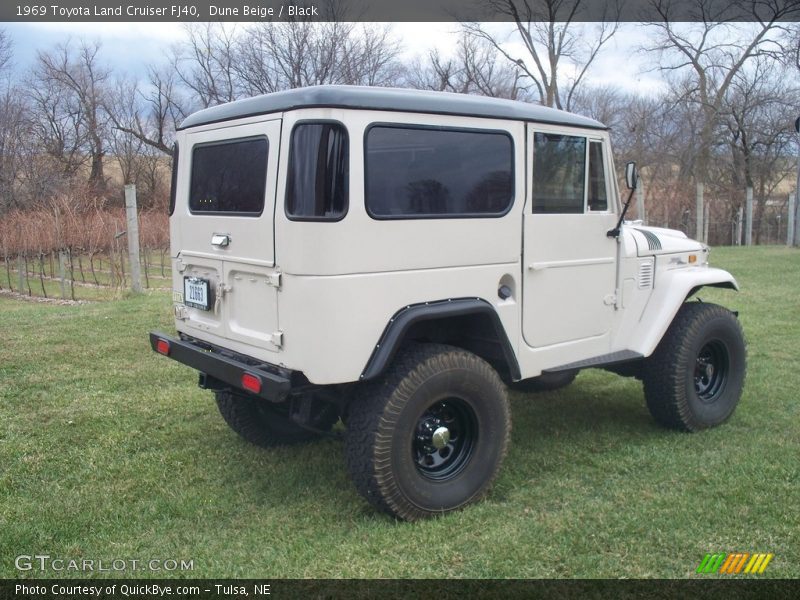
(431, 436)
(695, 377)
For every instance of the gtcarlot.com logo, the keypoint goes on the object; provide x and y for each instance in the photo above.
(734, 563)
(45, 562)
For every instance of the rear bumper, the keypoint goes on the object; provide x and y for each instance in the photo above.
(221, 371)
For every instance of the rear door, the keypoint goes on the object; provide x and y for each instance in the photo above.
(224, 228)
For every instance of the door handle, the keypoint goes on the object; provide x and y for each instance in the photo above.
(221, 240)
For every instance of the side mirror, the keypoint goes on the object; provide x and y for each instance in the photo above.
(631, 175)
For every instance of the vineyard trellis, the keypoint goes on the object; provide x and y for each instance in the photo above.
(79, 253)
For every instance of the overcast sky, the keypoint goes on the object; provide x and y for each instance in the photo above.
(130, 47)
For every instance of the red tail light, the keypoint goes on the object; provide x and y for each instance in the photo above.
(252, 383)
(162, 347)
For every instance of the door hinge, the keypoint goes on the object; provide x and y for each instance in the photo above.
(277, 338)
(222, 289)
(274, 279)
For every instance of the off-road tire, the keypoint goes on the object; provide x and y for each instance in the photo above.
(266, 424)
(694, 379)
(390, 444)
(546, 382)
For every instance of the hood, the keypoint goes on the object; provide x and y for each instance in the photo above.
(652, 241)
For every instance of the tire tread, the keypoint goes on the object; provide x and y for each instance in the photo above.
(377, 404)
(664, 384)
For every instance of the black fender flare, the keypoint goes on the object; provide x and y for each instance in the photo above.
(397, 327)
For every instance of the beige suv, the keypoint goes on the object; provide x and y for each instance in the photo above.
(395, 259)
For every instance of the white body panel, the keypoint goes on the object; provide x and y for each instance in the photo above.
(316, 296)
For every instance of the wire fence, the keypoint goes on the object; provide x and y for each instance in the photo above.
(771, 227)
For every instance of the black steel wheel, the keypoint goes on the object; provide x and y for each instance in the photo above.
(430, 437)
(711, 371)
(445, 438)
(695, 377)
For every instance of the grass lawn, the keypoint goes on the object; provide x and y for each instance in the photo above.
(108, 451)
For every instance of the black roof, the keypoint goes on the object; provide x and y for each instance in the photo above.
(377, 98)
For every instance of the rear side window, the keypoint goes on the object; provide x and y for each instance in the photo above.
(229, 177)
(174, 179)
(316, 185)
(559, 173)
(417, 172)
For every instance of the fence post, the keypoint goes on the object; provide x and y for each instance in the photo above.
(790, 220)
(796, 235)
(699, 212)
(21, 272)
(62, 272)
(739, 225)
(748, 226)
(133, 237)
(640, 202)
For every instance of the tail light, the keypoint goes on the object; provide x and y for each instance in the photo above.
(252, 383)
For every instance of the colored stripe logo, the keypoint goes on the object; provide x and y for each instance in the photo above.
(734, 563)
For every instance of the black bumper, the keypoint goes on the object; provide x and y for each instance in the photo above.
(221, 371)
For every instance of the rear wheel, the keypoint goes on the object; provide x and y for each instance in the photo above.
(695, 377)
(431, 436)
(267, 424)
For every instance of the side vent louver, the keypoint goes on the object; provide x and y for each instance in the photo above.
(653, 243)
(646, 275)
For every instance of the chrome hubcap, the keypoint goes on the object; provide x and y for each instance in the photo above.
(440, 437)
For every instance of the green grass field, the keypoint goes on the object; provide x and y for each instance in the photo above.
(108, 451)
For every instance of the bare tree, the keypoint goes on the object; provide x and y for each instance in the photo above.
(279, 56)
(476, 68)
(77, 76)
(149, 113)
(713, 52)
(6, 52)
(219, 64)
(607, 104)
(13, 133)
(558, 50)
(56, 126)
(12, 130)
(757, 115)
(371, 56)
(205, 63)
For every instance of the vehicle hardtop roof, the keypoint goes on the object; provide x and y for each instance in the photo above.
(393, 99)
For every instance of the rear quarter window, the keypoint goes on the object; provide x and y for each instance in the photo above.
(229, 177)
(424, 172)
(317, 181)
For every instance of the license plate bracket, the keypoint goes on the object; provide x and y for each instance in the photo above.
(197, 293)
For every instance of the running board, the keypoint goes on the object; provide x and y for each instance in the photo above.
(598, 361)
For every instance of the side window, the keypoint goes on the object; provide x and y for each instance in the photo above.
(559, 173)
(422, 172)
(316, 184)
(174, 179)
(229, 177)
(597, 178)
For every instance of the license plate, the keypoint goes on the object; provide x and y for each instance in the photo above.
(196, 292)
